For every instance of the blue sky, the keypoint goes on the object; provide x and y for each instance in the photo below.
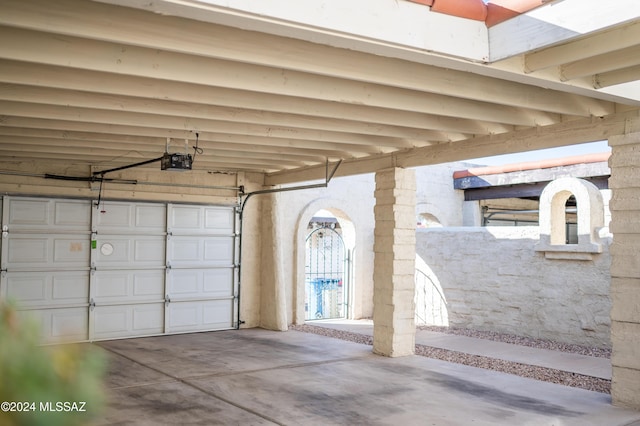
(564, 151)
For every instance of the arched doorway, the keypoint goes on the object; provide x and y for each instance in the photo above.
(326, 270)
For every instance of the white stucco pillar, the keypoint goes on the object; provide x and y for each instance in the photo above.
(625, 269)
(394, 265)
(273, 305)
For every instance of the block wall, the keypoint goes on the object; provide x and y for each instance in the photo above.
(492, 279)
(393, 271)
(625, 269)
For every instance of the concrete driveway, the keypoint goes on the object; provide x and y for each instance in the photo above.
(255, 376)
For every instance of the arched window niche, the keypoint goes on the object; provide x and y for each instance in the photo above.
(590, 219)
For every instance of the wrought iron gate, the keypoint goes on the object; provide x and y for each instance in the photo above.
(326, 273)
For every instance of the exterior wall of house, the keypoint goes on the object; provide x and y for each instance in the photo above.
(275, 228)
(435, 194)
(351, 201)
(24, 178)
(493, 279)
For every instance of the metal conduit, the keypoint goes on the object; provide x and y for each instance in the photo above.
(118, 181)
(328, 177)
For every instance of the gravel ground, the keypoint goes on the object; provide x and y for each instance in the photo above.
(523, 341)
(530, 371)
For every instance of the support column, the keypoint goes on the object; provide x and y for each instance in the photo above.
(625, 269)
(273, 304)
(394, 265)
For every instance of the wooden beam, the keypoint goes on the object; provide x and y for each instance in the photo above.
(611, 78)
(113, 84)
(555, 23)
(568, 133)
(315, 138)
(117, 150)
(154, 144)
(78, 53)
(120, 25)
(611, 61)
(223, 163)
(595, 45)
(23, 93)
(323, 148)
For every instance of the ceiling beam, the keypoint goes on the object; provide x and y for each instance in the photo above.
(617, 59)
(73, 52)
(328, 149)
(154, 144)
(22, 93)
(315, 137)
(611, 78)
(113, 84)
(568, 133)
(557, 22)
(580, 49)
(121, 25)
(98, 159)
(126, 149)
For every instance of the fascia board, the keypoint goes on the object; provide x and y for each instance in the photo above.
(384, 27)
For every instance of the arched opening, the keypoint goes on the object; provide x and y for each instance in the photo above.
(427, 220)
(329, 245)
(567, 200)
(559, 226)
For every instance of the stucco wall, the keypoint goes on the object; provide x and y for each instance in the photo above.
(492, 279)
(351, 200)
(435, 194)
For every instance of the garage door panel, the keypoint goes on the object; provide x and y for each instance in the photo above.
(72, 214)
(127, 286)
(193, 251)
(128, 320)
(28, 251)
(71, 250)
(150, 250)
(219, 219)
(30, 289)
(199, 316)
(35, 214)
(202, 220)
(25, 251)
(200, 283)
(219, 250)
(131, 252)
(130, 218)
(60, 324)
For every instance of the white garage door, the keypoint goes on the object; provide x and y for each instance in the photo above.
(45, 263)
(128, 270)
(201, 268)
(120, 270)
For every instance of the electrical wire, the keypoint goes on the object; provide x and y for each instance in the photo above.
(196, 150)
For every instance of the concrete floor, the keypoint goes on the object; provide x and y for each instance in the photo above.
(255, 377)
